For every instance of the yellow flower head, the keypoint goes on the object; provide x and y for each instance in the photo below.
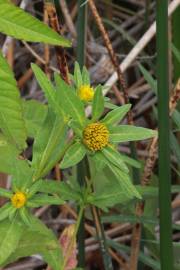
(18, 199)
(86, 93)
(96, 136)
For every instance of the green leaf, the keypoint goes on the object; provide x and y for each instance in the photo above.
(149, 78)
(114, 157)
(34, 114)
(85, 76)
(41, 200)
(38, 240)
(125, 133)
(49, 145)
(26, 216)
(116, 115)
(11, 119)
(5, 193)
(7, 154)
(17, 23)
(175, 52)
(5, 210)
(121, 177)
(108, 197)
(130, 161)
(48, 89)
(73, 155)
(98, 104)
(66, 192)
(76, 128)
(22, 174)
(77, 75)
(69, 101)
(10, 233)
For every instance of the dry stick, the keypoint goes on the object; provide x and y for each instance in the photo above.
(150, 163)
(111, 54)
(68, 18)
(145, 39)
(60, 53)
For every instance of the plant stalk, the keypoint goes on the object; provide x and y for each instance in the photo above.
(166, 249)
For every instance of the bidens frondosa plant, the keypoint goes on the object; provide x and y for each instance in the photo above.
(66, 133)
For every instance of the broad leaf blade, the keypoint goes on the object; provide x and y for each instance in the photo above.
(10, 233)
(37, 242)
(114, 157)
(49, 145)
(69, 101)
(125, 133)
(11, 119)
(116, 115)
(74, 155)
(34, 114)
(17, 23)
(48, 89)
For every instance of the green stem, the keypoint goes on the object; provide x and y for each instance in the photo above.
(81, 32)
(166, 250)
(81, 172)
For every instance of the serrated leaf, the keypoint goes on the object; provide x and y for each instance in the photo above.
(22, 174)
(50, 143)
(73, 155)
(77, 75)
(17, 23)
(11, 119)
(34, 114)
(10, 233)
(69, 101)
(98, 104)
(114, 157)
(116, 115)
(7, 154)
(41, 200)
(48, 89)
(38, 240)
(125, 133)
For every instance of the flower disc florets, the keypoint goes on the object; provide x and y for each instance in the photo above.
(96, 136)
(18, 199)
(86, 93)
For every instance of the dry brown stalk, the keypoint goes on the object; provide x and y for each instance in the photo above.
(150, 163)
(68, 18)
(111, 54)
(60, 53)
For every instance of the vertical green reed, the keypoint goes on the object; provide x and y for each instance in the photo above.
(166, 251)
(81, 170)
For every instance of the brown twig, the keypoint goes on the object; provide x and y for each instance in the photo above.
(150, 163)
(112, 55)
(60, 53)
